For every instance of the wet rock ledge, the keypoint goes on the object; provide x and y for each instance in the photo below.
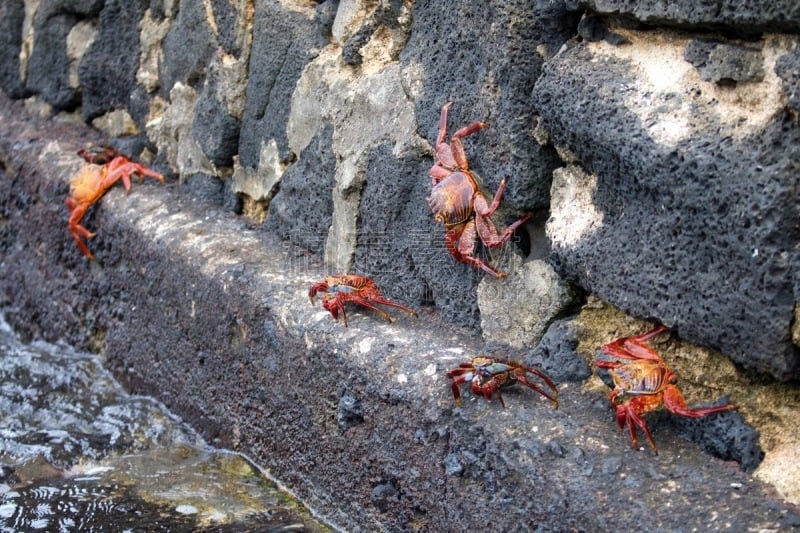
(188, 303)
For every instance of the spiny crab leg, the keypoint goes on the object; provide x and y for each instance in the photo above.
(524, 380)
(634, 347)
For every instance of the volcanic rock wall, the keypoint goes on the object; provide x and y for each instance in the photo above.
(657, 147)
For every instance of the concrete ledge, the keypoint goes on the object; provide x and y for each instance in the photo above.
(190, 304)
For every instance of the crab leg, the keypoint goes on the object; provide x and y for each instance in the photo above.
(488, 211)
(338, 305)
(468, 130)
(628, 415)
(77, 231)
(488, 232)
(676, 403)
(464, 375)
(467, 242)
(366, 303)
(457, 157)
(463, 132)
(443, 123)
(82, 245)
(384, 301)
(456, 146)
(524, 380)
(121, 167)
(634, 347)
(315, 288)
(488, 395)
(437, 174)
(486, 228)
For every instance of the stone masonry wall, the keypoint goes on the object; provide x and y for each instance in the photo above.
(657, 148)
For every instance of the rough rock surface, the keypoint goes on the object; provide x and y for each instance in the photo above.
(518, 309)
(720, 62)
(188, 303)
(107, 71)
(188, 45)
(48, 65)
(302, 209)
(733, 16)
(693, 201)
(788, 69)
(215, 127)
(658, 140)
(12, 16)
(284, 41)
(399, 247)
(555, 354)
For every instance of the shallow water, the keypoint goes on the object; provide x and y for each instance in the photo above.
(78, 453)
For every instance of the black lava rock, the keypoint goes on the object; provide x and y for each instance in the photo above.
(107, 71)
(557, 353)
(12, 15)
(302, 209)
(697, 234)
(284, 42)
(720, 62)
(189, 44)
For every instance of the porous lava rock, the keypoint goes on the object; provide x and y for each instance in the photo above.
(695, 213)
(107, 71)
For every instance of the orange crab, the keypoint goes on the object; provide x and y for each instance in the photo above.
(352, 288)
(106, 167)
(457, 201)
(643, 383)
(488, 375)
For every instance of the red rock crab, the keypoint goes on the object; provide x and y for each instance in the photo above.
(360, 290)
(457, 201)
(487, 375)
(643, 383)
(106, 167)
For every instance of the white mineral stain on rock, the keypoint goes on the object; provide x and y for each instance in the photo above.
(26, 48)
(780, 464)
(796, 326)
(573, 215)
(259, 184)
(671, 100)
(116, 123)
(171, 130)
(150, 39)
(79, 39)
(349, 16)
(366, 109)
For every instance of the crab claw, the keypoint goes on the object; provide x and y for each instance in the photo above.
(98, 155)
(315, 288)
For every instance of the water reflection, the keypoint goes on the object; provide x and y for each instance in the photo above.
(77, 453)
